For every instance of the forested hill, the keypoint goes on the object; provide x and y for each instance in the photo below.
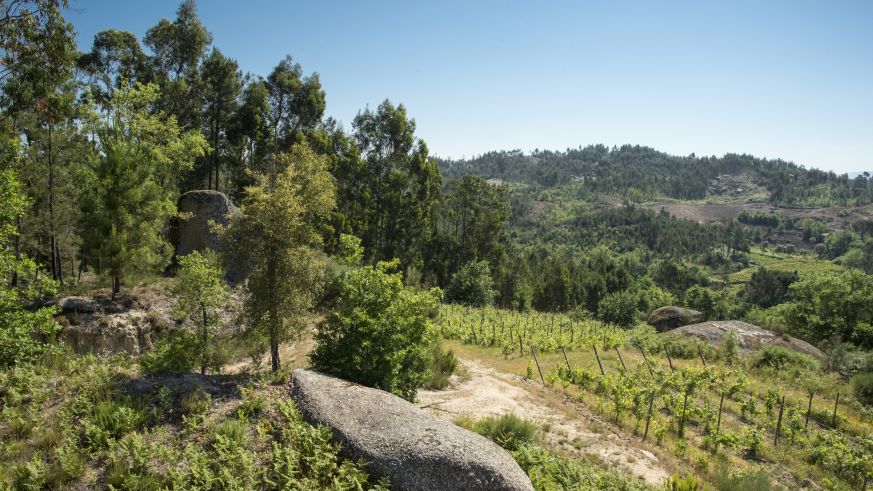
(633, 170)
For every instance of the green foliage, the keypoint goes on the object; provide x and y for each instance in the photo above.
(172, 353)
(129, 193)
(619, 308)
(767, 288)
(472, 285)
(677, 483)
(728, 479)
(509, 431)
(273, 239)
(548, 471)
(442, 365)
(25, 334)
(830, 304)
(201, 293)
(862, 385)
(780, 357)
(380, 332)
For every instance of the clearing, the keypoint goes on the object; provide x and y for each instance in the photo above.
(483, 391)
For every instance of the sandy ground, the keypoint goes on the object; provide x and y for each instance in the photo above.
(486, 392)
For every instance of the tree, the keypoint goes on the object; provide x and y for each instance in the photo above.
(619, 308)
(222, 83)
(473, 214)
(178, 48)
(116, 60)
(37, 49)
(296, 102)
(275, 238)
(399, 184)
(25, 334)
(129, 191)
(767, 288)
(201, 293)
(380, 332)
(830, 304)
(472, 285)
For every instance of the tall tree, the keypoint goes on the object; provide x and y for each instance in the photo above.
(401, 185)
(116, 59)
(248, 135)
(37, 49)
(473, 214)
(296, 102)
(129, 191)
(275, 239)
(178, 47)
(222, 84)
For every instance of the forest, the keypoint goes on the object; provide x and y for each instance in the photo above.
(394, 269)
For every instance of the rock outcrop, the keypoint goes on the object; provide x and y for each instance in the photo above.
(191, 232)
(668, 318)
(415, 450)
(750, 337)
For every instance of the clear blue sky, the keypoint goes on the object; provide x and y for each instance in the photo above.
(790, 79)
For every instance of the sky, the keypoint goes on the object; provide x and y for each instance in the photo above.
(777, 79)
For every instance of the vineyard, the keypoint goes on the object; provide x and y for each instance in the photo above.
(698, 401)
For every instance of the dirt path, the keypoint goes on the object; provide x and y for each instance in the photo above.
(573, 428)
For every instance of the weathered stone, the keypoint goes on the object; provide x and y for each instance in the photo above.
(198, 208)
(750, 337)
(78, 305)
(667, 318)
(109, 334)
(415, 450)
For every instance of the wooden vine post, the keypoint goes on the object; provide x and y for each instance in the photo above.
(834, 417)
(700, 353)
(533, 352)
(569, 368)
(649, 417)
(596, 355)
(718, 421)
(684, 412)
(808, 410)
(648, 365)
(779, 422)
(623, 367)
(666, 352)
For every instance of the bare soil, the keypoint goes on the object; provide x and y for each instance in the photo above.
(571, 427)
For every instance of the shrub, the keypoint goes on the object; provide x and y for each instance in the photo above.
(862, 385)
(379, 333)
(472, 285)
(195, 402)
(619, 308)
(172, 353)
(780, 357)
(509, 431)
(442, 366)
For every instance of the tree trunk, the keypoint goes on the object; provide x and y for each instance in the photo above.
(116, 285)
(274, 348)
(55, 263)
(204, 336)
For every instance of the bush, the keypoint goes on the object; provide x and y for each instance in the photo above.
(172, 353)
(619, 308)
(380, 332)
(509, 431)
(442, 366)
(780, 357)
(862, 385)
(472, 285)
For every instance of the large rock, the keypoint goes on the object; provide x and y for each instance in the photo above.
(191, 232)
(415, 450)
(750, 337)
(667, 318)
(132, 333)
